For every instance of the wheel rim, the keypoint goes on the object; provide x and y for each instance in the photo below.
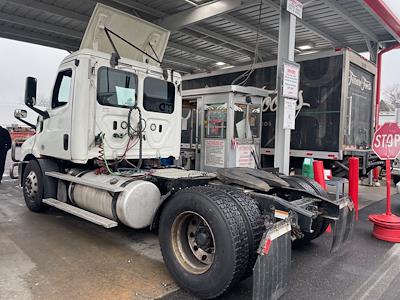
(193, 242)
(31, 187)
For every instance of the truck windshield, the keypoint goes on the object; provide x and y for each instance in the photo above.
(116, 88)
(158, 95)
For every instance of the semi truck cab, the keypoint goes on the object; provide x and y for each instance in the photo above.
(91, 98)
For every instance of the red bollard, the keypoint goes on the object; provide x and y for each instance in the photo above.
(318, 166)
(375, 174)
(353, 182)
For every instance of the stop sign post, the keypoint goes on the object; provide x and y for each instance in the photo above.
(386, 144)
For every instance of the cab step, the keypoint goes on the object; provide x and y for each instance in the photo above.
(81, 213)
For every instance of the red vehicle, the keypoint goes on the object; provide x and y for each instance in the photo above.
(20, 134)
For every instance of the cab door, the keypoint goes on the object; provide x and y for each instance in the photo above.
(54, 139)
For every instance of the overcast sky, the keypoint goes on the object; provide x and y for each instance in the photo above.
(19, 60)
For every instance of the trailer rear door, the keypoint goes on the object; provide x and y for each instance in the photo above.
(357, 130)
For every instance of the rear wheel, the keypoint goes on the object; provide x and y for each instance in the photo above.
(203, 241)
(32, 185)
(253, 221)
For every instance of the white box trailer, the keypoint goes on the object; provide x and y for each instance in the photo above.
(335, 110)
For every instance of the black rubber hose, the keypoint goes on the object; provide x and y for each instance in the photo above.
(139, 164)
(131, 132)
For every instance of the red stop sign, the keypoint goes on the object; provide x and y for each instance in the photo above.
(386, 143)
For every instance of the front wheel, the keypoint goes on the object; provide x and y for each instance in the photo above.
(204, 241)
(32, 185)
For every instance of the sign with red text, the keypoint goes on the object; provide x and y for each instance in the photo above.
(214, 153)
(290, 84)
(244, 156)
(386, 142)
(295, 7)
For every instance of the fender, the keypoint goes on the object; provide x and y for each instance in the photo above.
(46, 165)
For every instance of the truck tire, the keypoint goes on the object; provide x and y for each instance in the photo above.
(254, 221)
(32, 186)
(203, 241)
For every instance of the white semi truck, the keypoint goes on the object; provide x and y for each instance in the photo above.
(115, 112)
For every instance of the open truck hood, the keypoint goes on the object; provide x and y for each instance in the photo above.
(139, 32)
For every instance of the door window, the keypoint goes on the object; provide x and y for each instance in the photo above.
(247, 121)
(62, 89)
(215, 120)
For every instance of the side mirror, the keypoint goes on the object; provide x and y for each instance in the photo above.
(20, 113)
(30, 91)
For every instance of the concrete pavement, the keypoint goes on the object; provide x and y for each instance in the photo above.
(58, 256)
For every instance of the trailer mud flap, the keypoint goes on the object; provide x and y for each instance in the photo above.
(272, 268)
(343, 227)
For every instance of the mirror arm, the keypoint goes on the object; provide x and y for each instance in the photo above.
(26, 123)
(44, 114)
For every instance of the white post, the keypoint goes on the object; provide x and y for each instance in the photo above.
(287, 34)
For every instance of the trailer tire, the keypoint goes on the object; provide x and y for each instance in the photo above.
(254, 222)
(32, 186)
(218, 229)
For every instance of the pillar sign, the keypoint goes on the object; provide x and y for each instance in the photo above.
(290, 93)
(289, 118)
(290, 80)
(295, 7)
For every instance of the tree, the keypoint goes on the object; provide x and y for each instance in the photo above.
(392, 95)
(384, 106)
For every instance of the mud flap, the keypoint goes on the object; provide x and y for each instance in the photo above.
(272, 268)
(343, 226)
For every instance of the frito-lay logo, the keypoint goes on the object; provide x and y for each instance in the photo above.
(362, 82)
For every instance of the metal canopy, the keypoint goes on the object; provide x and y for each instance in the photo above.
(205, 34)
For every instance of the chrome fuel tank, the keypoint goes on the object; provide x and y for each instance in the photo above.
(135, 206)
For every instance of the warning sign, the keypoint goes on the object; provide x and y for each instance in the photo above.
(214, 153)
(295, 7)
(291, 73)
(244, 158)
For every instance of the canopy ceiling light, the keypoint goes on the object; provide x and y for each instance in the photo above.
(306, 46)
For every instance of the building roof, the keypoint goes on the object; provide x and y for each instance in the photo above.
(207, 35)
